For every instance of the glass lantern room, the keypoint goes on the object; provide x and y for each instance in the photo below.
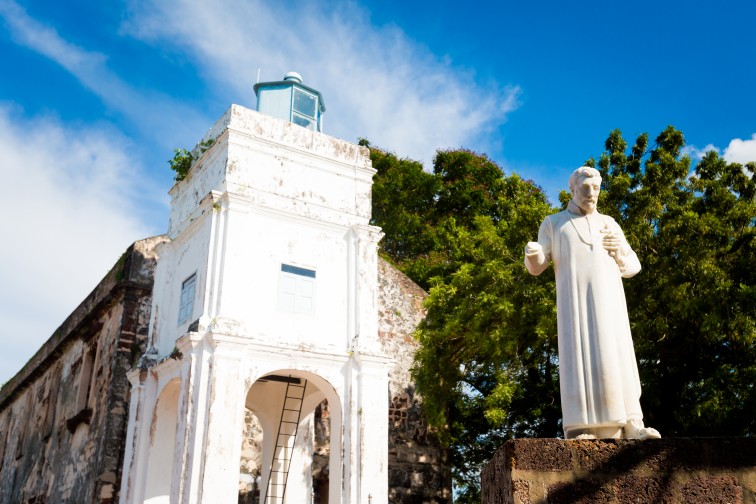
(291, 100)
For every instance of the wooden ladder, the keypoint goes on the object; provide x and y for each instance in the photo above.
(287, 436)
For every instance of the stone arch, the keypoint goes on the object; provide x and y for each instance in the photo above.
(162, 443)
(265, 398)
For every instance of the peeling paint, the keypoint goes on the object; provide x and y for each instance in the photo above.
(288, 195)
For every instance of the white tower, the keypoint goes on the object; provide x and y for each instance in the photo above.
(264, 300)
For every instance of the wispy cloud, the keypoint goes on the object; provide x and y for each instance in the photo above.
(87, 66)
(697, 154)
(377, 83)
(70, 213)
(741, 151)
(167, 120)
(72, 191)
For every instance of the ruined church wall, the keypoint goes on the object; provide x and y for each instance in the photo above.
(418, 466)
(63, 416)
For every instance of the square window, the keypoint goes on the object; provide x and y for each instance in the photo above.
(186, 301)
(303, 121)
(296, 289)
(304, 103)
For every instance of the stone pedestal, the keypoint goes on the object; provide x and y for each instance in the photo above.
(683, 470)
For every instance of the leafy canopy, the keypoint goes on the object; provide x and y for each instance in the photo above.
(487, 362)
(693, 308)
(488, 343)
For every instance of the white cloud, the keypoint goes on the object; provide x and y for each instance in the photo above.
(69, 212)
(376, 82)
(741, 151)
(70, 190)
(697, 154)
(162, 116)
(738, 151)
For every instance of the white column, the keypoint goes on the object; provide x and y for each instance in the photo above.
(216, 257)
(220, 478)
(351, 430)
(195, 376)
(299, 481)
(366, 267)
(366, 430)
(373, 432)
(136, 456)
(132, 433)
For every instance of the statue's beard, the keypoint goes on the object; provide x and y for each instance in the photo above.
(586, 205)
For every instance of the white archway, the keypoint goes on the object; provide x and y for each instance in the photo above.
(266, 397)
(162, 444)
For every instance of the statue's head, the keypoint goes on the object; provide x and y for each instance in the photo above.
(585, 185)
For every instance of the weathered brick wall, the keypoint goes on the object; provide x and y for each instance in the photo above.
(63, 416)
(418, 467)
(672, 471)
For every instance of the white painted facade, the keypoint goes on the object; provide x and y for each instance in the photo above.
(273, 220)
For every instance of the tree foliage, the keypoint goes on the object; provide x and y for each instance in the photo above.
(183, 160)
(488, 343)
(693, 308)
(487, 362)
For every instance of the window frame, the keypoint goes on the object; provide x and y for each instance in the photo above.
(312, 120)
(303, 279)
(186, 303)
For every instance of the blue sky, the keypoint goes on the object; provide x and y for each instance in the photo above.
(94, 96)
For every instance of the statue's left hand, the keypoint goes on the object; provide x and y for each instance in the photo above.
(612, 244)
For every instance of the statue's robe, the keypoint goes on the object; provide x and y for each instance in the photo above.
(598, 373)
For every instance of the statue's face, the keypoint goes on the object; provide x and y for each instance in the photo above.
(586, 192)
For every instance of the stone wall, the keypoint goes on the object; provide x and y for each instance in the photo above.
(63, 416)
(672, 471)
(250, 467)
(418, 467)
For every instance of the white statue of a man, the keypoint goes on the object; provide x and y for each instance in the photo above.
(598, 374)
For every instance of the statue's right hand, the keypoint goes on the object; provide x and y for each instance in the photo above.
(535, 258)
(533, 248)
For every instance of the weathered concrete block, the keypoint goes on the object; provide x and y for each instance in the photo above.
(673, 471)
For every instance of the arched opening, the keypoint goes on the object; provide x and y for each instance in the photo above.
(295, 461)
(162, 444)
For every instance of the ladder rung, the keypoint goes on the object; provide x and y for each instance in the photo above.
(292, 404)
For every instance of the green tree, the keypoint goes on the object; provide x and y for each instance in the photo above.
(693, 307)
(482, 357)
(403, 198)
(487, 362)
